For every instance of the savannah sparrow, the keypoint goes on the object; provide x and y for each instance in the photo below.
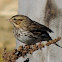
(29, 31)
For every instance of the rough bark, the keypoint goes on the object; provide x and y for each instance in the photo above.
(55, 53)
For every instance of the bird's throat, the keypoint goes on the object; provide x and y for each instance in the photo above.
(17, 26)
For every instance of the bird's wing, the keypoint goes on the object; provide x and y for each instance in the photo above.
(35, 26)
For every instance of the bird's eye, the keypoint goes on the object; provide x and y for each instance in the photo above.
(14, 19)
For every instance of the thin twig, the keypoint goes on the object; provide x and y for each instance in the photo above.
(28, 49)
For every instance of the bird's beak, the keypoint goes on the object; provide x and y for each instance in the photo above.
(10, 20)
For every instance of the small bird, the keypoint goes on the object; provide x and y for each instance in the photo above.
(29, 31)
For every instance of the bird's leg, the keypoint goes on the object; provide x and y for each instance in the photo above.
(27, 60)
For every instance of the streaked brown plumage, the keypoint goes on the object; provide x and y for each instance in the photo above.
(29, 31)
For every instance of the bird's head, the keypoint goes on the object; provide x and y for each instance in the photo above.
(18, 20)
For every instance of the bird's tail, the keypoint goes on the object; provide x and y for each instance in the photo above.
(55, 43)
(47, 36)
(58, 45)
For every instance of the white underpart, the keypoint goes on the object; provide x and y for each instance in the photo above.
(24, 35)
